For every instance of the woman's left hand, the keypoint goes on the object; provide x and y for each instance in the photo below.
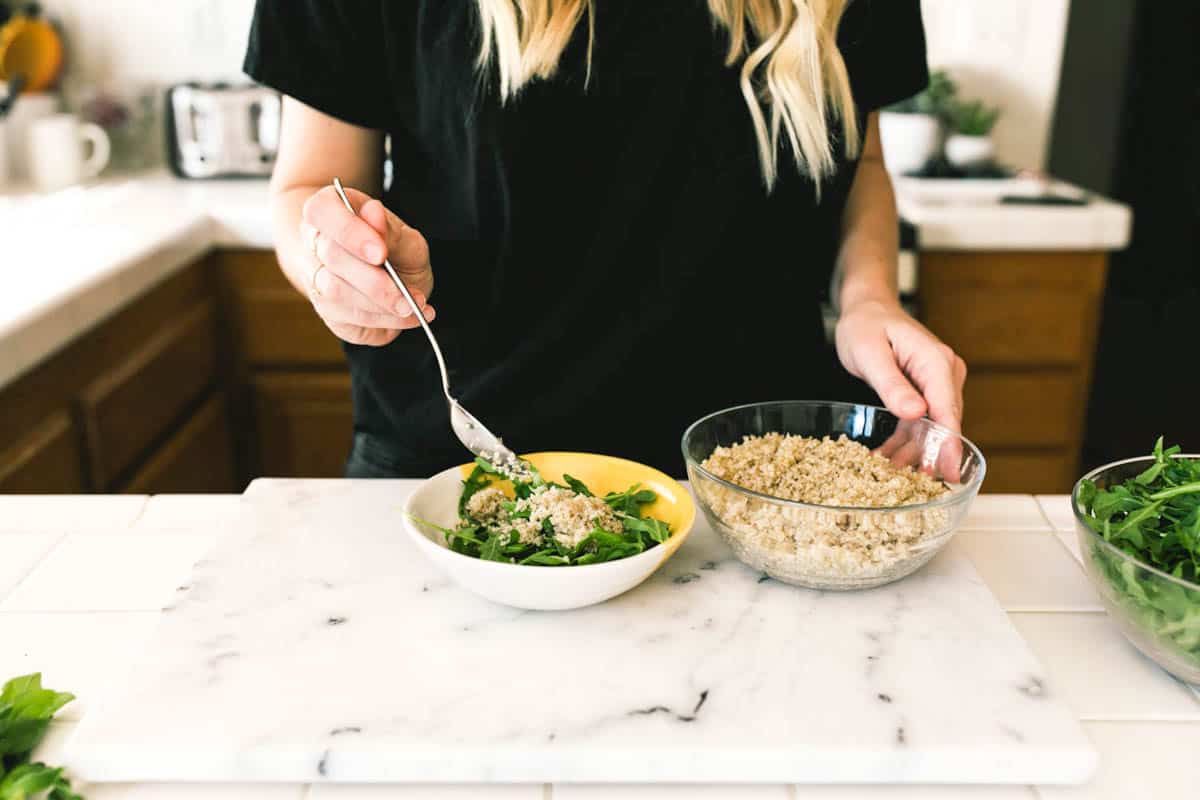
(912, 371)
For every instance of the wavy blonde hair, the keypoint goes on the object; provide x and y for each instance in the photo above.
(792, 73)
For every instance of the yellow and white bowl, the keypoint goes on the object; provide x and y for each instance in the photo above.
(551, 588)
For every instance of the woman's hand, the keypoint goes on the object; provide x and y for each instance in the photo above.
(910, 369)
(914, 374)
(348, 286)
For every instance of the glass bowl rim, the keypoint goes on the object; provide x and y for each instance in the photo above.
(1081, 525)
(954, 496)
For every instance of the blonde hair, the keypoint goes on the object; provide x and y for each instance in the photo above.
(792, 73)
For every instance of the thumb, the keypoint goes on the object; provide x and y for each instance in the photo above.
(877, 366)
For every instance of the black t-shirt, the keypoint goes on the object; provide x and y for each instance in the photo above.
(608, 264)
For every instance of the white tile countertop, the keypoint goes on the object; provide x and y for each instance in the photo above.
(77, 256)
(82, 580)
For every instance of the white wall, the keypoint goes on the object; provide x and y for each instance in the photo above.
(153, 41)
(1006, 52)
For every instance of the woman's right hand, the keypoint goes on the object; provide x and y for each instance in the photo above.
(348, 286)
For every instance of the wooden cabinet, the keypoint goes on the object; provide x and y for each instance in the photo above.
(220, 374)
(1026, 325)
(304, 422)
(46, 459)
(272, 324)
(295, 403)
(100, 414)
(131, 405)
(196, 458)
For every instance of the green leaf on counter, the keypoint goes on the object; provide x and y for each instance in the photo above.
(26, 709)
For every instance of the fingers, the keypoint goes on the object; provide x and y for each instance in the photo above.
(325, 212)
(371, 337)
(372, 284)
(935, 376)
(876, 362)
(940, 374)
(339, 303)
(949, 460)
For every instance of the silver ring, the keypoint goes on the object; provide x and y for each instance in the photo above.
(317, 272)
(313, 244)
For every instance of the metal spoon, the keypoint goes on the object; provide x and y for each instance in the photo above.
(470, 431)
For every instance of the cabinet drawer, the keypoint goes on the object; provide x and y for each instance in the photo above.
(127, 408)
(1034, 409)
(1030, 471)
(274, 325)
(1014, 309)
(197, 458)
(46, 460)
(304, 423)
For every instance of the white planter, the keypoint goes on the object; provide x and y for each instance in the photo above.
(969, 151)
(910, 141)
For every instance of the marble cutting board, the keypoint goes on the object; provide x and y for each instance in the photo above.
(315, 643)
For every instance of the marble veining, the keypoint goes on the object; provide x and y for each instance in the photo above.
(315, 643)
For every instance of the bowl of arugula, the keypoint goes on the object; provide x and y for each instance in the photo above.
(555, 531)
(1138, 523)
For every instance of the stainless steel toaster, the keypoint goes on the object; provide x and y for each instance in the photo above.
(221, 130)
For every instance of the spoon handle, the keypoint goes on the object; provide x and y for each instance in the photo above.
(387, 265)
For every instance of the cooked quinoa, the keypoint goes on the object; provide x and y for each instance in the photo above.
(573, 516)
(804, 544)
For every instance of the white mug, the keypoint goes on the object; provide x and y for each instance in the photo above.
(56, 151)
(28, 108)
(3, 153)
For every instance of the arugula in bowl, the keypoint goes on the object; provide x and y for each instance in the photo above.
(1151, 522)
(548, 524)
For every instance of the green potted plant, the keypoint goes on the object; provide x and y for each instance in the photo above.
(970, 141)
(911, 130)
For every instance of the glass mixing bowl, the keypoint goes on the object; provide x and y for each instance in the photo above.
(834, 547)
(1158, 613)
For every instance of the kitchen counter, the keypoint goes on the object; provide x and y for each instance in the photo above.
(954, 215)
(75, 257)
(83, 581)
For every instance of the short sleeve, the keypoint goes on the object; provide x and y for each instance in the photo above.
(328, 55)
(883, 45)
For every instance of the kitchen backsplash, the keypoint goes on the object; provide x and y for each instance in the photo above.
(1006, 52)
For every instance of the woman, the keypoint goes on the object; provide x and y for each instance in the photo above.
(630, 211)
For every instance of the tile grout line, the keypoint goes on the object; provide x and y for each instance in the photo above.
(62, 537)
(141, 512)
(1045, 516)
(77, 611)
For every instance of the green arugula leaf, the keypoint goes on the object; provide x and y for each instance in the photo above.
(26, 709)
(543, 558)
(492, 549)
(577, 486)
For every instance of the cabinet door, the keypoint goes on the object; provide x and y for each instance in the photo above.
(135, 402)
(304, 423)
(273, 325)
(197, 458)
(46, 460)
